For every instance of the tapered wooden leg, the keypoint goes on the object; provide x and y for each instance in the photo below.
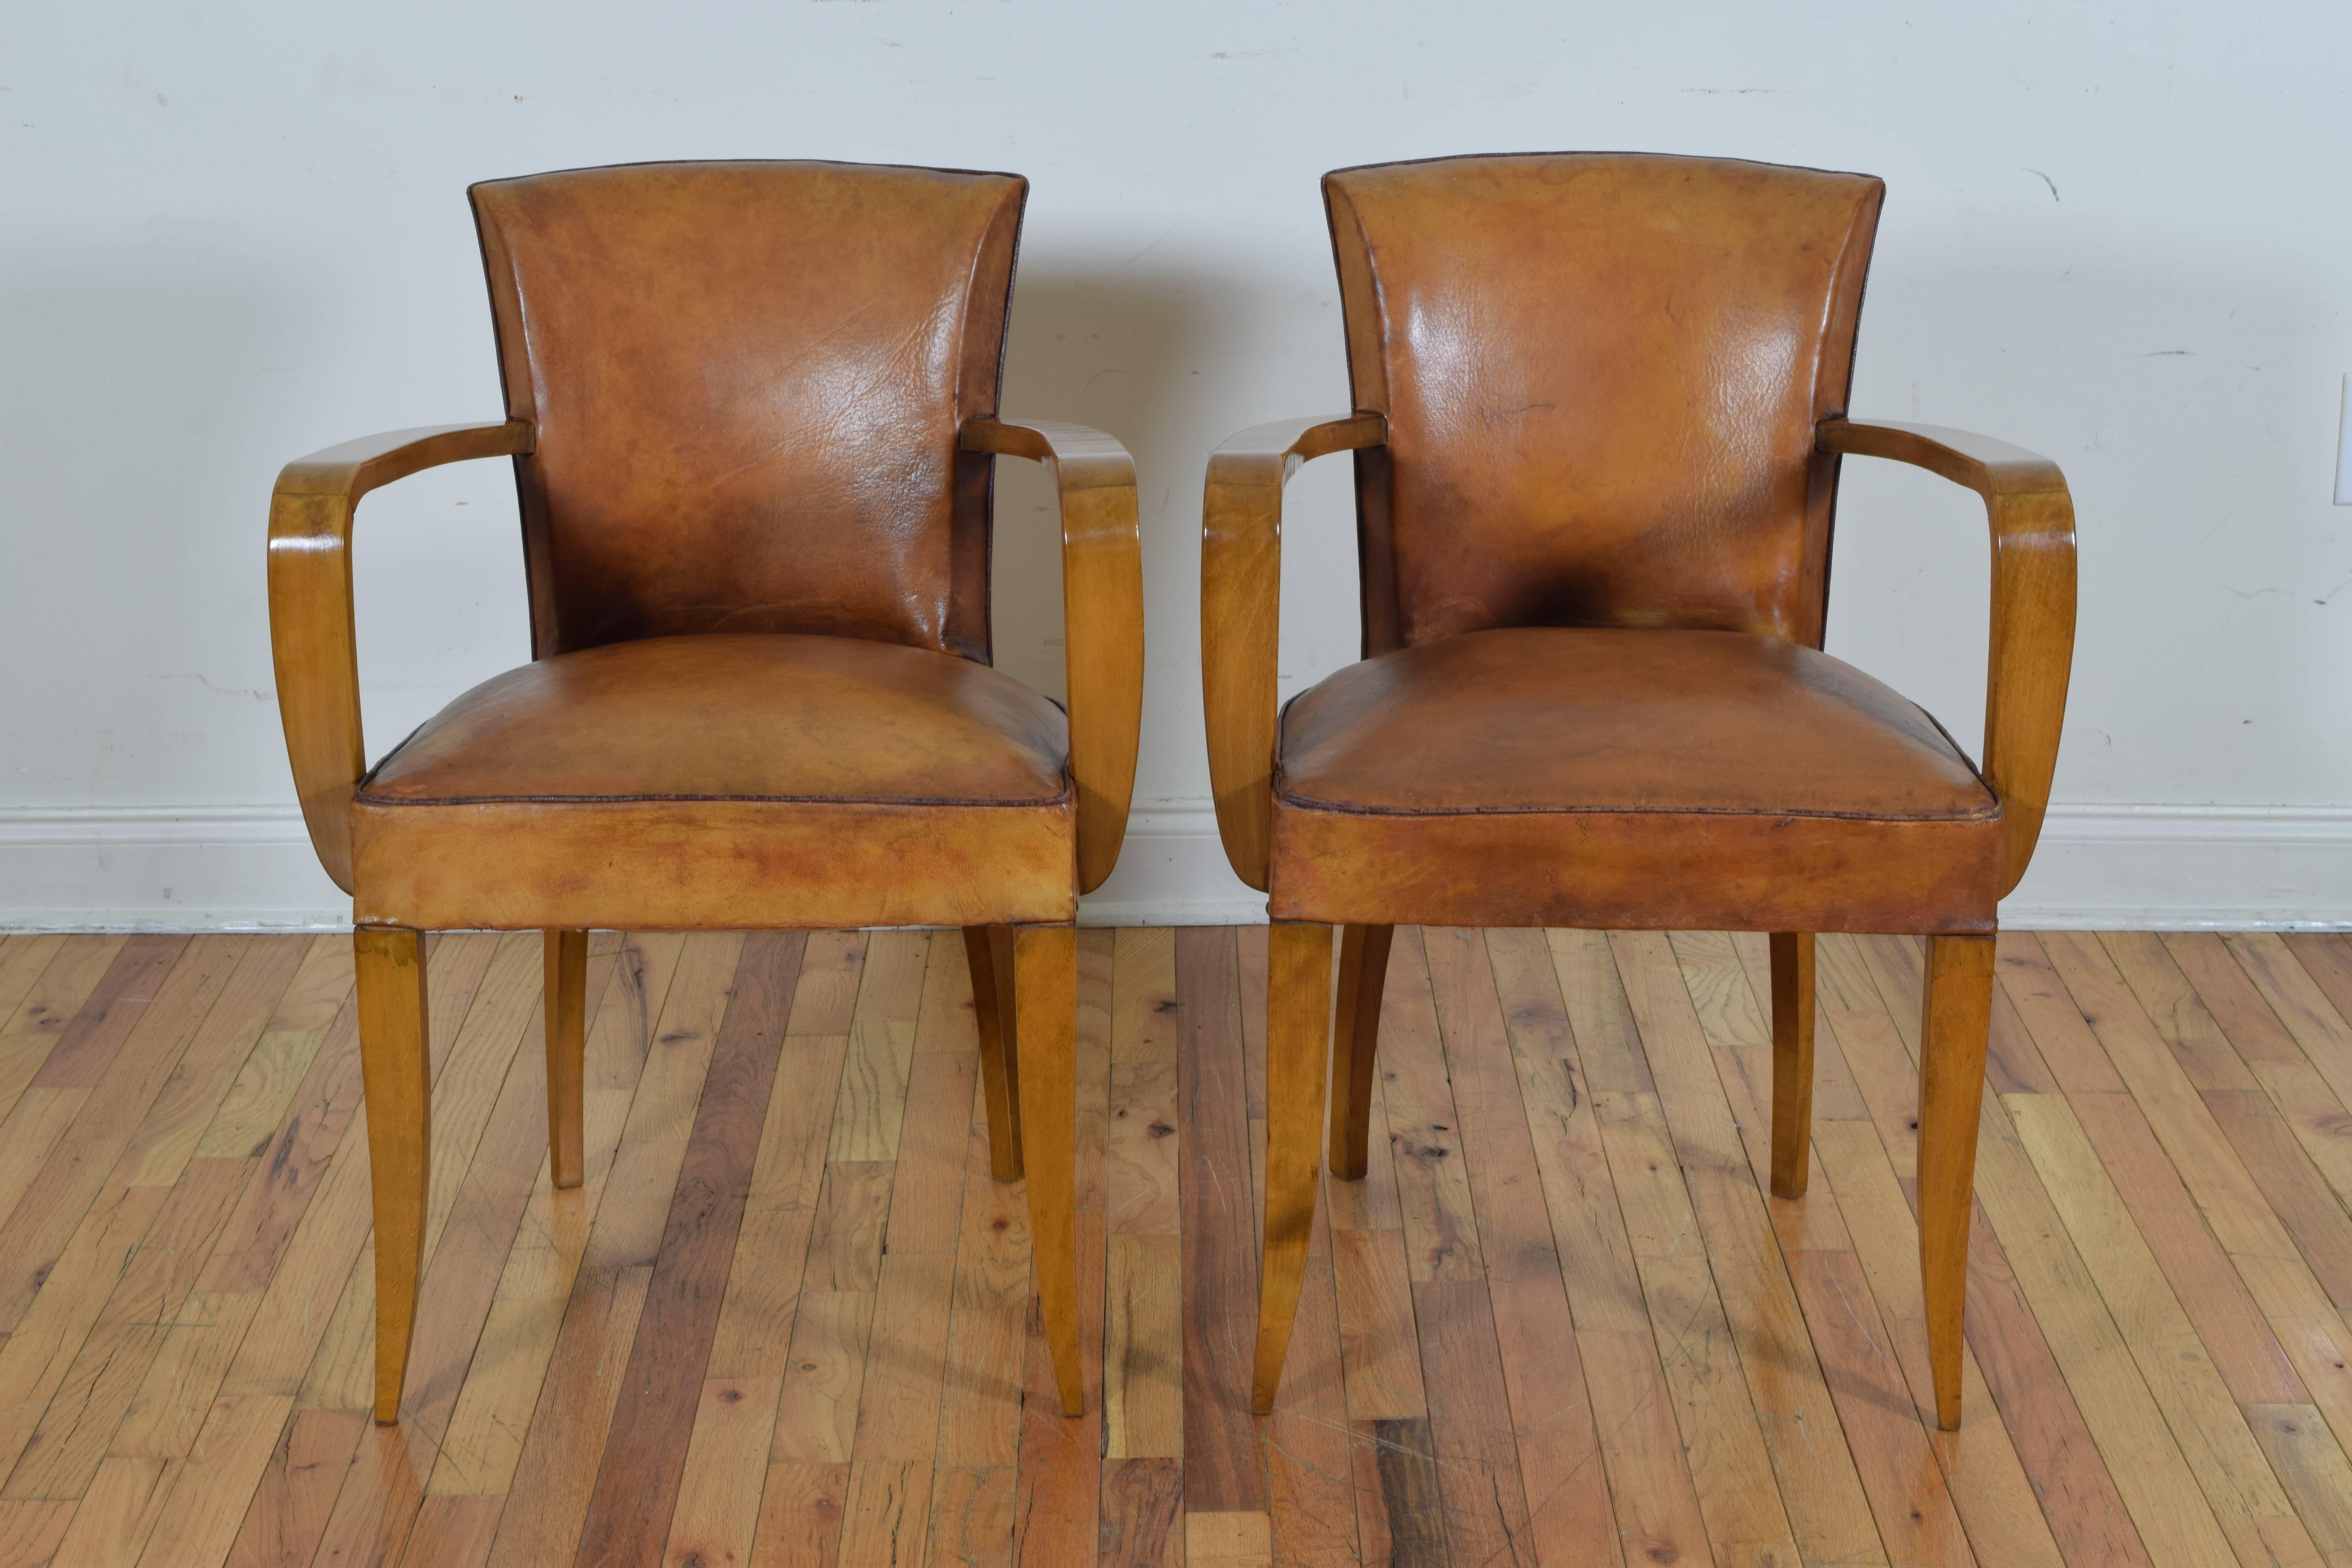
(396, 1072)
(1298, 1007)
(566, 1001)
(988, 951)
(1355, 1030)
(1045, 993)
(1957, 1017)
(1793, 1061)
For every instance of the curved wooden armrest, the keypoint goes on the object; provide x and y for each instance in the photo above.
(1241, 614)
(2032, 642)
(1102, 615)
(310, 633)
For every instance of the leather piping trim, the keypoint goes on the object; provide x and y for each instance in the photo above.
(391, 801)
(1992, 812)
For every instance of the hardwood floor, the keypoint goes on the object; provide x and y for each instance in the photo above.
(786, 1320)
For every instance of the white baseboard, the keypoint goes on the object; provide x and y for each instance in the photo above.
(249, 867)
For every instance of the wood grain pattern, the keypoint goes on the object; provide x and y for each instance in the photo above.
(1593, 1338)
(636, 1485)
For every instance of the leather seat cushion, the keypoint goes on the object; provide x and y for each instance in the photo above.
(1626, 778)
(725, 780)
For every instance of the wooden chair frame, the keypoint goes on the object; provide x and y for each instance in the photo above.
(2032, 521)
(1024, 978)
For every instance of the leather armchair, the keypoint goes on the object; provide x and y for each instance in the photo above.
(1599, 411)
(751, 410)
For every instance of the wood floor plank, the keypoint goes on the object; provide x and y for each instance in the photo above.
(2176, 1524)
(167, 1135)
(1143, 1349)
(1142, 1514)
(1558, 1321)
(1441, 1223)
(799, 1515)
(636, 1484)
(832, 969)
(2310, 1462)
(1556, 1084)
(1738, 1031)
(1143, 995)
(74, 967)
(123, 1074)
(2204, 1421)
(23, 960)
(1057, 1487)
(2292, 1187)
(118, 1516)
(755, 1323)
(1983, 1468)
(37, 1357)
(1143, 1148)
(373, 1523)
(1470, 1418)
(557, 1468)
(290, 1507)
(1917, 1518)
(971, 1515)
(1057, 1505)
(1221, 1470)
(2307, 1325)
(979, 1404)
(726, 1465)
(1556, 1449)
(2067, 1043)
(110, 1010)
(83, 1412)
(1820, 1488)
(214, 1488)
(2301, 1003)
(29, 1532)
(2229, 1323)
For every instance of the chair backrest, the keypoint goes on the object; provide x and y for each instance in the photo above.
(747, 380)
(1601, 373)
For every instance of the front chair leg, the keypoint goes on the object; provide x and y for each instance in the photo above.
(566, 1005)
(1045, 991)
(1793, 1061)
(395, 1071)
(1356, 1027)
(1957, 1019)
(988, 951)
(1298, 1008)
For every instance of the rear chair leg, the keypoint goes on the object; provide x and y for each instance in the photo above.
(395, 1071)
(1297, 1008)
(566, 1002)
(1793, 1061)
(1046, 986)
(988, 951)
(1356, 1027)
(1957, 1019)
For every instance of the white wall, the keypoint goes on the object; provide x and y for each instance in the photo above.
(2116, 234)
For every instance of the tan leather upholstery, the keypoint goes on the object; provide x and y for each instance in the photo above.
(1626, 779)
(1601, 373)
(726, 782)
(747, 381)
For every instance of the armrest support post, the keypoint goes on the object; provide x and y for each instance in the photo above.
(1241, 612)
(311, 638)
(2032, 645)
(1102, 615)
